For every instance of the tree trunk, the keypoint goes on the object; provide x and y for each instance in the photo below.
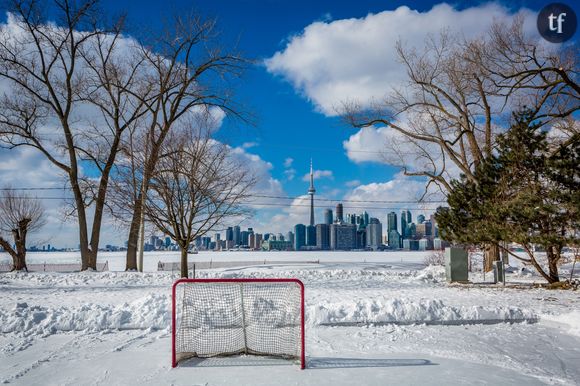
(490, 254)
(553, 255)
(184, 262)
(133, 239)
(18, 255)
(19, 262)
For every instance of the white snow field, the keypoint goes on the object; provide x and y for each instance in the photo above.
(372, 318)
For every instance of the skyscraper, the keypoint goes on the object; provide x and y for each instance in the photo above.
(342, 236)
(404, 224)
(299, 236)
(311, 236)
(391, 222)
(237, 236)
(420, 219)
(323, 236)
(328, 216)
(374, 234)
(311, 192)
(339, 218)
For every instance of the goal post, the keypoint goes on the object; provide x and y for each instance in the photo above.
(222, 317)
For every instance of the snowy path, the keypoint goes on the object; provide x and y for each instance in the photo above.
(506, 354)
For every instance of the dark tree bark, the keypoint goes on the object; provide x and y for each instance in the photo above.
(19, 215)
(184, 272)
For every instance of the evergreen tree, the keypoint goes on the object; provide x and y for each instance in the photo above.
(528, 193)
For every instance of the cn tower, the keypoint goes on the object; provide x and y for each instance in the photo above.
(311, 192)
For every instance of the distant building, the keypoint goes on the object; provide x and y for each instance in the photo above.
(277, 245)
(311, 236)
(439, 244)
(339, 214)
(328, 216)
(424, 229)
(374, 234)
(230, 234)
(290, 237)
(299, 236)
(237, 236)
(244, 238)
(410, 245)
(361, 238)
(404, 224)
(420, 219)
(251, 240)
(342, 236)
(411, 231)
(394, 239)
(425, 244)
(258, 241)
(323, 236)
(391, 222)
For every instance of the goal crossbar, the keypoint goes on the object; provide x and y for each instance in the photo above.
(208, 318)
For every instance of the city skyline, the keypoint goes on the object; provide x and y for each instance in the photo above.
(297, 107)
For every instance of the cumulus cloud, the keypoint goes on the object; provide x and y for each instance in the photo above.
(288, 162)
(25, 167)
(391, 196)
(388, 146)
(318, 175)
(355, 59)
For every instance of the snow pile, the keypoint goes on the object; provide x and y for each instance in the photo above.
(432, 273)
(404, 311)
(149, 312)
(570, 321)
(86, 279)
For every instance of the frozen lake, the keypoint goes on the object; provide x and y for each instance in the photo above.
(116, 260)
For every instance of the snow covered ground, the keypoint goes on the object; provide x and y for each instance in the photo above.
(372, 319)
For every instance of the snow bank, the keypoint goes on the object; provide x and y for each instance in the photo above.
(570, 321)
(149, 312)
(404, 311)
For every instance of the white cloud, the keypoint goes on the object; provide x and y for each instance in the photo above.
(318, 175)
(355, 59)
(352, 183)
(290, 174)
(248, 145)
(288, 162)
(394, 195)
(266, 184)
(388, 146)
(24, 167)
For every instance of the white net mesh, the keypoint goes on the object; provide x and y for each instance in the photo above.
(229, 318)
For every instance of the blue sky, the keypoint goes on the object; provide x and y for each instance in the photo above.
(292, 96)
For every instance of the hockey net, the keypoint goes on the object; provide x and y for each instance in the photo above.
(222, 317)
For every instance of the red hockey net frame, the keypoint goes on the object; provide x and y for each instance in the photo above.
(209, 281)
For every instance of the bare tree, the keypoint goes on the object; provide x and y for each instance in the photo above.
(458, 96)
(189, 72)
(197, 186)
(19, 215)
(57, 74)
